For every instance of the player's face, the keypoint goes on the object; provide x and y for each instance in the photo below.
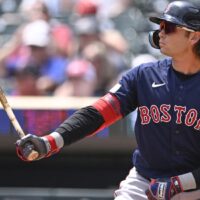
(174, 40)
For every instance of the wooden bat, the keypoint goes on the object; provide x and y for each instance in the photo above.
(28, 151)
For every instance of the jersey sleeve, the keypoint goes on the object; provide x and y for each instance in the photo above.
(126, 91)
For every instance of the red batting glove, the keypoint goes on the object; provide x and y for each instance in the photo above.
(45, 146)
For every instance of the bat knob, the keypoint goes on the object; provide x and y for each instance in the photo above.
(29, 152)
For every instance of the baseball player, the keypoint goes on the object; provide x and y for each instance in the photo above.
(167, 95)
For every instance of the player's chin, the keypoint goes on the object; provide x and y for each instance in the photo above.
(164, 51)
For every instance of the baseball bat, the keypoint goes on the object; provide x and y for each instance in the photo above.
(28, 150)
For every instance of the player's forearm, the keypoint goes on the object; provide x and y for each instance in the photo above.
(81, 124)
(90, 120)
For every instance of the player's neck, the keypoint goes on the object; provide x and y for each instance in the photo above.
(186, 65)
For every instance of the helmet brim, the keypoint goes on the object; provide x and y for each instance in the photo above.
(165, 17)
(156, 20)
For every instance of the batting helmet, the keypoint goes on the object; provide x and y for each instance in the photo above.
(181, 13)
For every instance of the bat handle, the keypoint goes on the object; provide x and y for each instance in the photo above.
(29, 152)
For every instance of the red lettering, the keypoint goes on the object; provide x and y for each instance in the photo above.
(191, 117)
(155, 114)
(180, 110)
(197, 127)
(144, 115)
(166, 117)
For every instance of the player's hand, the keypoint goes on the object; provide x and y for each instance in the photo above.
(45, 146)
(164, 189)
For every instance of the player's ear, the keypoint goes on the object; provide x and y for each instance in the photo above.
(195, 37)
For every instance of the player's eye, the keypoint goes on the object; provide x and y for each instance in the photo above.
(167, 27)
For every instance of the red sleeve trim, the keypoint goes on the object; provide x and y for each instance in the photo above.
(109, 108)
(53, 146)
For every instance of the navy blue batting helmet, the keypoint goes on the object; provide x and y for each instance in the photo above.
(181, 13)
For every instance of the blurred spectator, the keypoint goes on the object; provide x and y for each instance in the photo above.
(87, 31)
(111, 8)
(31, 11)
(85, 24)
(26, 82)
(63, 41)
(81, 79)
(86, 7)
(36, 51)
(36, 33)
(114, 40)
(96, 53)
(62, 35)
(51, 67)
(133, 25)
(117, 47)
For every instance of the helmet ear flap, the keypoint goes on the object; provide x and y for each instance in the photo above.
(154, 39)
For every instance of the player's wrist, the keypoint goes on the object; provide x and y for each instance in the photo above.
(187, 181)
(54, 142)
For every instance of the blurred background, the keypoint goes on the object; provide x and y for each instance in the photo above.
(57, 56)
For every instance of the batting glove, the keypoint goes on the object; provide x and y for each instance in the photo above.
(164, 189)
(45, 146)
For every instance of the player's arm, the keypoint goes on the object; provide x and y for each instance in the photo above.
(166, 188)
(84, 122)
